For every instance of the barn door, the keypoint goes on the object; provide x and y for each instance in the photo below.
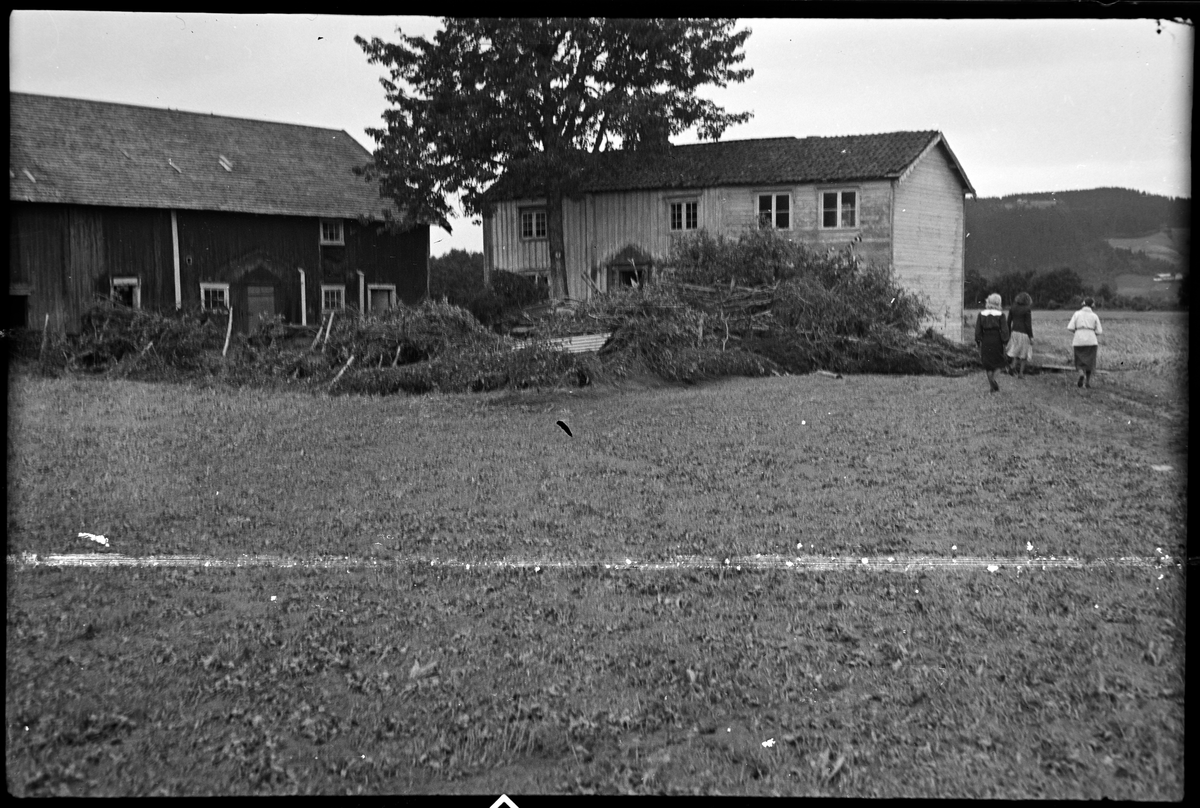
(260, 300)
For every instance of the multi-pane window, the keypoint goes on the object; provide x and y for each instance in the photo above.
(839, 209)
(214, 296)
(333, 298)
(332, 232)
(775, 211)
(533, 223)
(685, 215)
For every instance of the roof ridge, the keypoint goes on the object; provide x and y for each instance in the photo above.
(178, 111)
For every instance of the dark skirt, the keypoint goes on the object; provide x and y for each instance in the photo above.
(1085, 358)
(991, 350)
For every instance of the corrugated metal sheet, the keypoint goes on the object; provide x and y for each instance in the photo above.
(581, 343)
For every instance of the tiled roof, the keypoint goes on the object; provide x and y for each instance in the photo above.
(70, 150)
(756, 162)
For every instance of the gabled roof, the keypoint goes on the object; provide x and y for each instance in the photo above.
(69, 150)
(766, 161)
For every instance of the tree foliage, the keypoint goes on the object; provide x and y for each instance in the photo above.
(530, 97)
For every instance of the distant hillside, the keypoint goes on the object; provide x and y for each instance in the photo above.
(1102, 234)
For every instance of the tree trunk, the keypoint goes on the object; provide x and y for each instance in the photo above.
(554, 228)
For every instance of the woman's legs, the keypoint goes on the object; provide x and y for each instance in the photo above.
(991, 376)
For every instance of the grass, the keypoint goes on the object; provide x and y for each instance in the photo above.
(1154, 342)
(1021, 683)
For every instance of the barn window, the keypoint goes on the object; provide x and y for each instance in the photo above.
(533, 223)
(839, 209)
(332, 232)
(214, 296)
(17, 314)
(333, 297)
(127, 291)
(380, 297)
(685, 216)
(775, 211)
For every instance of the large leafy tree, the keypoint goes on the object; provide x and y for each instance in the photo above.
(531, 98)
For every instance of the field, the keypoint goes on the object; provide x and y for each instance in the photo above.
(662, 602)
(1151, 343)
(1170, 245)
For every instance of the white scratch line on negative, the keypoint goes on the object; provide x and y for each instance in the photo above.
(755, 563)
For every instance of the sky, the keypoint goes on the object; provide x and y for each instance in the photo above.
(1026, 105)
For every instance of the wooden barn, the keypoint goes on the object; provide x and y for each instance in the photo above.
(172, 210)
(899, 197)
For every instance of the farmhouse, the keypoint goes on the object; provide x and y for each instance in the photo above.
(897, 197)
(174, 210)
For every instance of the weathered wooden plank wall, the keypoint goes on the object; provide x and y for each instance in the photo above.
(924, 249)
(929, 221)
(66, 255)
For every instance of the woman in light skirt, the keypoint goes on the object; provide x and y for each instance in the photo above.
(1020, 326)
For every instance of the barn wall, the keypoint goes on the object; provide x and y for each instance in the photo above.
(929, 221)
(65, 256)
(214, 247)
(138, 243)
(40, 249)
(399, 259)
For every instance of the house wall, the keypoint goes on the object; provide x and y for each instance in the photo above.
(599, 226)
(929, 226)
(64, 256)
(915, 225)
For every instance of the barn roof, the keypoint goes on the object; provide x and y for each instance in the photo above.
(70, 150)
(765, 161)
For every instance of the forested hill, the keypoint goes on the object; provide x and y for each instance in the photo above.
(1045, 231)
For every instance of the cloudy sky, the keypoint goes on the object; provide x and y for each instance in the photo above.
(1027, 105)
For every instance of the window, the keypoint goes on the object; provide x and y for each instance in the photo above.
(775, 211)
(533, 223)
(333, 298)
(332, 232)
(632, 277)
(839, 209)
(17, 314)
(127, 291)
(214, 296)
(380, 297)
(685, 216)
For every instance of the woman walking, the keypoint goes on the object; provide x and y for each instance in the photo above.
(991, 334)
(1020, 325)
(1086, 327)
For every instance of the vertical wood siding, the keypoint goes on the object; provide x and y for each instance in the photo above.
(924, 249)
(224, 246)
(929, 239)
(41, 247)
(65, 256)
(400, 259)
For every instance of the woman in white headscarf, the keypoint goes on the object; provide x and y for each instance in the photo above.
(991, 335)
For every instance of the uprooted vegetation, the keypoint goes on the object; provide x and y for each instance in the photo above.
(752, 306)
(761, 304)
